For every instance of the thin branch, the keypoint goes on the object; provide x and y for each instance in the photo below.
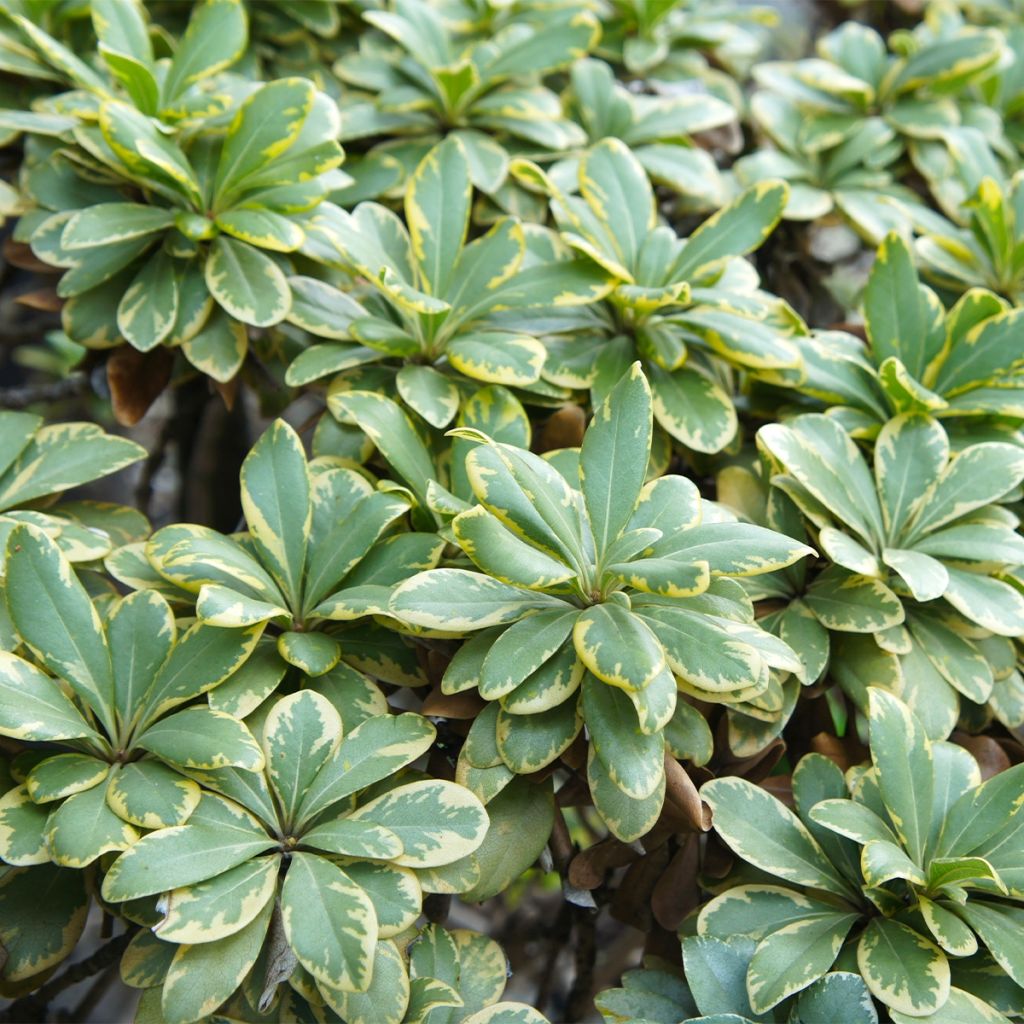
(581, 995)
(33, 1006)
(24, 396)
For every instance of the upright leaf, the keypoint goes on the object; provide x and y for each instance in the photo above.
(275, 499)
(56, 619)
(613, 459)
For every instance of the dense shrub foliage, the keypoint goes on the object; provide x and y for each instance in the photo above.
(624, 561)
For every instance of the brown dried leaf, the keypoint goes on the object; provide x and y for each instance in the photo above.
(781, 787)
(228, 391)
(632, 901)
(20, 255)
(45, 299)
(683, 805)
(845, 752)
(462, 706)
(136, 380)
(589, 867)
(563, 430)
(991, 757)
(677, 892)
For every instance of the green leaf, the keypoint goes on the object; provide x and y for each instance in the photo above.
(429, 393)
(141, 632)
(903, 318)
(459, 601)
(247, 283)
(148, 154)
(926, 577)
(618, 646)
(734, 230)
(882, 861)
(852, 819)
(437, 202)
(264, 128)
(976, 476)
(716, 972)
(692, 407)
(263, 229)
(763, 831)
(215, 38)
(23, 829)
(993, 604)
(202, 658)
(702, 649)
(221, 906)
(395, 892)
(342, 548)
(202, 976)
(497, 357)
(960, 1008)
(42, 914)
(16, 431)
(506, 1013)
(84, 827)
(301, 735)
(385, 998)
(219, 835)
(529, 496)
(851, 603)
(148, 309)
(789, 959)
(203, 738)
(151, 795)
(376, 749)
(521, 817)
(551, 684)
(618, 191)
(980, 813)
(312, 653)
(502, 555)
(350, 838)
(903, 969)
(219, 349)
(998, 926)
(221, 606)
(733, 549)
(910, 453)
(530, 742)
(947, 929)
(56, 619)
(627, 817)
(959, 662)
(484, 266)
(756, 911)
(437, 822)
(59, 56)
(633, 759)
(902, 756)
(122, 27)
(614, 457)
(107, 223)
(252, 683)
(330, 923)
(388, 427)
(821, 456)
(521, 650)
(60, 456)
(63, 775)
(839, 995)
(33, 706)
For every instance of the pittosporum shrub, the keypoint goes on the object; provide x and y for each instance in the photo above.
(557, 557)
